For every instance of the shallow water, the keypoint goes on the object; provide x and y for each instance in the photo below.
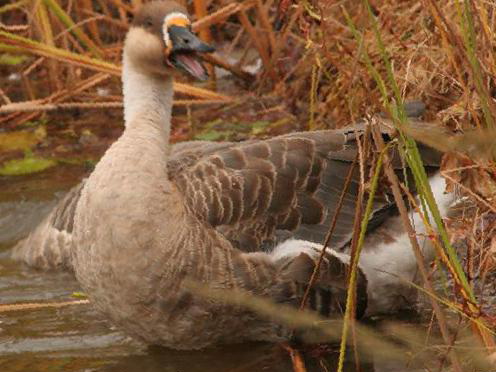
(76, 338)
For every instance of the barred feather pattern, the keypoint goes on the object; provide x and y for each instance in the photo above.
(253, 192)
(49, 245)
(148, 222)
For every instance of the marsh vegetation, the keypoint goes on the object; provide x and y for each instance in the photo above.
(280, 66)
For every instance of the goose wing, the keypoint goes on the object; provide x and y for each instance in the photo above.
(260, 192)
(256, 193)
(49, 245)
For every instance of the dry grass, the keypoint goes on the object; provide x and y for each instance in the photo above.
(329, 64)
(313, 60)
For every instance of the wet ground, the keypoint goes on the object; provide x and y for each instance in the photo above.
(76, 338)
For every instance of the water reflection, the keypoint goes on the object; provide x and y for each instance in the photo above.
(235, 358)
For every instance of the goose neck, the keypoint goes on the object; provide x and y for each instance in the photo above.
(147, 98)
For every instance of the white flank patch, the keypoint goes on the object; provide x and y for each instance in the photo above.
(389, 266)
(392, 266)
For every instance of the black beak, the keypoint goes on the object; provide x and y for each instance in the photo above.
(185, 49)
(183, 40)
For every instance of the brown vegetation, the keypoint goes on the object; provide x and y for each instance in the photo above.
(327, 64)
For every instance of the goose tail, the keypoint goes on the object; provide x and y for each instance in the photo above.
(49, 245)
(387, 265)
(297, 259)
(388, 259)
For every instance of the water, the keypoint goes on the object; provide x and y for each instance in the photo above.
(76, 338)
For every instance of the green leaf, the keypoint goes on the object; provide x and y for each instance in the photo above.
(22, 139)
(19, 167)
(12, 60)
(79, 295)
(260, 126)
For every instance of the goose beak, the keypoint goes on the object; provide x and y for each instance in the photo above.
(185, 50)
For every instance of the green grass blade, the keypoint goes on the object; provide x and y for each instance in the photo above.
(9, 7)
(469, 40)
(354, 263)
(414, 159)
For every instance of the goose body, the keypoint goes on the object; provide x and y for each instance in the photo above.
(248, 216)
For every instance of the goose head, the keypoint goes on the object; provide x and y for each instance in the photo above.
(160, 41)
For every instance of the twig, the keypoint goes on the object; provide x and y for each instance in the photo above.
(360, 224)
(64, 94)
(200, 93)
(5, 97)
(243, 18)
(30, 106)
(235, 70)
(200, 7)
(296, 358)
(330, 232)
(393, 179)
(33, 47)
(469, 191)
(123, 6)
(13, 28)
(221, 14)
(265, 22)
(35, 306)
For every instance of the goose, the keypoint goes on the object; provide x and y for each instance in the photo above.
(247, 216)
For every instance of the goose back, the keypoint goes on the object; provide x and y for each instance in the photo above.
(256, 193)
(260, 193)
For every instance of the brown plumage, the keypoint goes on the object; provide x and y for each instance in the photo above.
(146, 222)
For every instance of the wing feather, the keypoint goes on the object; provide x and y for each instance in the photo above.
(266, 191)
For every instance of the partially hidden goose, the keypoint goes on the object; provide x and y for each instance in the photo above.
(248, 216)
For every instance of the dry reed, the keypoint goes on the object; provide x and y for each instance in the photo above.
(329, 64)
